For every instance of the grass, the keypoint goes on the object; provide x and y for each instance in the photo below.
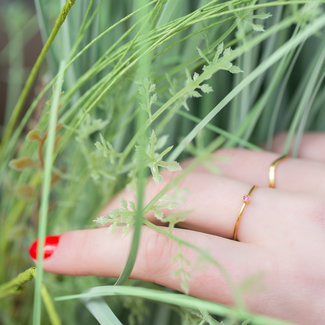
(207, 74)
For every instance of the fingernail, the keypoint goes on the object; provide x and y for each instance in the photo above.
(50, 245)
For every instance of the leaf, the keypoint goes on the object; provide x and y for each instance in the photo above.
(132, 205)
(185, 105)
(155, 174)
(227, 52)
(101, 311)
(263, 15)
(206, 88)
(153, 138)
(218, 52)
(202, 55)
(226, 65)
(171, 165)
(258, 27)
(165, 152)
(22, 163)
(235, 69)
(58, 127)
(102, 220)
(161, 141)
(56, 143)
(124, 204)
(195, 76)
(159, 214)
(26, 191)
(34, 135)
(55, 178)
(196, 94)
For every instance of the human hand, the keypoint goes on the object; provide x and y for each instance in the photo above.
(281, 235)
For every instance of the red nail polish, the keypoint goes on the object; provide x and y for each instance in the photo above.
(50, 244)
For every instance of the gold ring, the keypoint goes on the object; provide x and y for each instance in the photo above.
(246, 199)
(272, 170)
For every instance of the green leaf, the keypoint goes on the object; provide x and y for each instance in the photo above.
(206, 88)
(257, 27)
(171, 165)
(101, 311)
(161, 142)
(235, 69)
(202, 55)
(218, 52)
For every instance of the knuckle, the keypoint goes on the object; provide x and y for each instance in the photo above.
(158, 250)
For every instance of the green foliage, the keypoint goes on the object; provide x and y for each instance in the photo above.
(182, 271)
(120, 217)
(155, 160)
(242, 69)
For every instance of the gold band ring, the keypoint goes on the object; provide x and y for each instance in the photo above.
(272, 170)
(246, 199)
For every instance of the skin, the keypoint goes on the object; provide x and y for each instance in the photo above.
(281, 236)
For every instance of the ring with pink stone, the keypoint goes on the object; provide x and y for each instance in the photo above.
(246, 200)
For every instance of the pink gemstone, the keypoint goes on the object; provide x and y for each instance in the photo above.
(245, 198)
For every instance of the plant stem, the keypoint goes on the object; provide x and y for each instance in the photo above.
(31, 79)
(45, 195)
(15, 285)
(177, 299)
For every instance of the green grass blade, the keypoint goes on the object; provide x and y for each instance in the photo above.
(45, 29)
(101, 311)
(143, 73)
(52, 313)
(175, 299)
(291, 44)
(30, 81)
(45, 196)
(305, 102)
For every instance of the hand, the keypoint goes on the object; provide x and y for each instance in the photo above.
(281, 235)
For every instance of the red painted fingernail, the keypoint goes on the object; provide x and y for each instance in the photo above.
(50, 244)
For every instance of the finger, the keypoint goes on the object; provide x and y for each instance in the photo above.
(312, 145)
(214, 203)
(98, 252)
(252, 167)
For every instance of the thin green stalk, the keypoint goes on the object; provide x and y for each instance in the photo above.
(225, 134)
(306, 115)
(276, 107)
(53, 315)
(44, 30)
(30, 81)
(305, 101)
(84, 27)
(264, 98)
(143, 73)
(104, 33)
(176, 299)
(66, 46)
(16, 73)
(270, 47)
(169, 8)
(45, 195)
(16, 285)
